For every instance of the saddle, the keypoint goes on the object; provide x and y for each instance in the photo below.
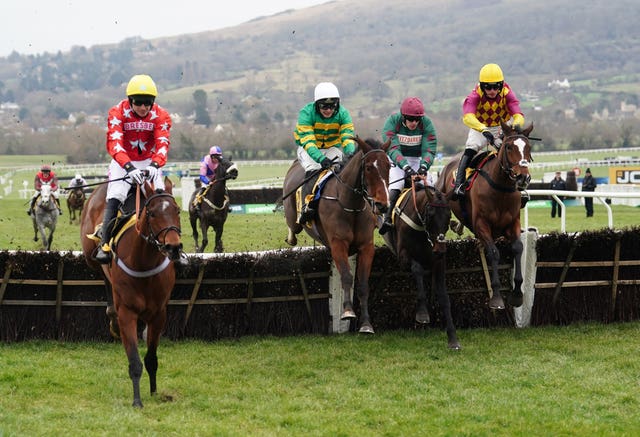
(399, 208)
(478, 161)
(316, 191)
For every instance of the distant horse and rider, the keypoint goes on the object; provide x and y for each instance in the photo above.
(210, 206)
(347, 204)
(141, 274)
(45, 217)
(75, 203)
(420, 221)
(491, 205)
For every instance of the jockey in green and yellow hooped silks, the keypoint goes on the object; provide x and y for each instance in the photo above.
(324, 135)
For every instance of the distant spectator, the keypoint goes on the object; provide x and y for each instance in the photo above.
(588, 184)
(557, 184)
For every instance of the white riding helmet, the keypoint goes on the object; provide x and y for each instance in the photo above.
(78, 176)
(325, 90)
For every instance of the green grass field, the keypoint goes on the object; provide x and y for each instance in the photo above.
(579, 380)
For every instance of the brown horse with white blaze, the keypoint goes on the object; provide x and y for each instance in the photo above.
(491, 206)
(346, 218)
(141, 274)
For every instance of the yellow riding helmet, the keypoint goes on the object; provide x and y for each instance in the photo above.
(490, 73)
(141, 84)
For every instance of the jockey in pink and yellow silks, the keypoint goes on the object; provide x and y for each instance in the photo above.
(491, 102)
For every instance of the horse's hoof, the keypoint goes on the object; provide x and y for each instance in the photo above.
(422, 318)
(348, 314)
(454, 346)
(496, 302)
(35, 238)
(366, 329)
(515, 299)
(137, 403)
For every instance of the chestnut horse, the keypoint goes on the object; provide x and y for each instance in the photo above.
(346, 218)
(421, 220)
(141, 274)
(75, 202)
(214, 207)
(491, 206)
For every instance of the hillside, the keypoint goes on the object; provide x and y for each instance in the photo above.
(261, 72)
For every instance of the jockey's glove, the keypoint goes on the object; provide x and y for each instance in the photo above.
(489, 136)
(326, 163)
(135, 174)
(423, 170)
(408, 171)
(152, 172)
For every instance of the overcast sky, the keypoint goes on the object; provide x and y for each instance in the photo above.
(37, 26)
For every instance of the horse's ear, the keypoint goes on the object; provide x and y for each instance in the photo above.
(361, 143)
(168, 185)
(526, 131)
(386, 145)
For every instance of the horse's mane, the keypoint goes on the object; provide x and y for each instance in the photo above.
(376, 144)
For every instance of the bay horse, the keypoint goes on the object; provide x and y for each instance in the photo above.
(45, 217)
(75, 203)
(346, 218)
(421, 220)
(491, 206)
(214, 208)
(141, 274)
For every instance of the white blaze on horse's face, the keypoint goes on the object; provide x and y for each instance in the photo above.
(521, 144)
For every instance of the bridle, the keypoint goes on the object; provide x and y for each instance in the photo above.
(361, 189)
(508, 168)
(152, 237)
(432, 202)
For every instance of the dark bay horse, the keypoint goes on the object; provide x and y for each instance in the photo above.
(346, 218)
(214, 207)
(75, 203)
(45, 217)
(141, 274)
(421, 220)
(491, 206)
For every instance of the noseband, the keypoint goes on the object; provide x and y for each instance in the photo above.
(153, 237)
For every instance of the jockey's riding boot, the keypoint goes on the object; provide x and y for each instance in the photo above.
(31, 203)
(308, 212)
(461, 175)
(103, 255)
(387, 224)
(58, 205)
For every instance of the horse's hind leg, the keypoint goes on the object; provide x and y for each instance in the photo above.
(422, 312)
(515, 297)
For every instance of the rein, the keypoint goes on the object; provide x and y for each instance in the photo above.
(359, 191)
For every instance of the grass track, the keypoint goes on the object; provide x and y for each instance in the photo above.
(576, 380)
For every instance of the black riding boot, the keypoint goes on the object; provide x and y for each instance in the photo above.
(103, 256)
(33, 201)
(387, 224)
(458, 190)
(308, 212)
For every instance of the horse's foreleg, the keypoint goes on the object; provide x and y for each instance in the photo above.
(219, 246)
(422, 312)
(205, 237)
(340, 257)
(194, 230)
(50, 239)
(493, 258)
(129, 334)
(154, 329)
(515, 298)
(363, 270)
(437, 272)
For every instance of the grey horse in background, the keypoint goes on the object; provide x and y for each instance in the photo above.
(45, 217)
